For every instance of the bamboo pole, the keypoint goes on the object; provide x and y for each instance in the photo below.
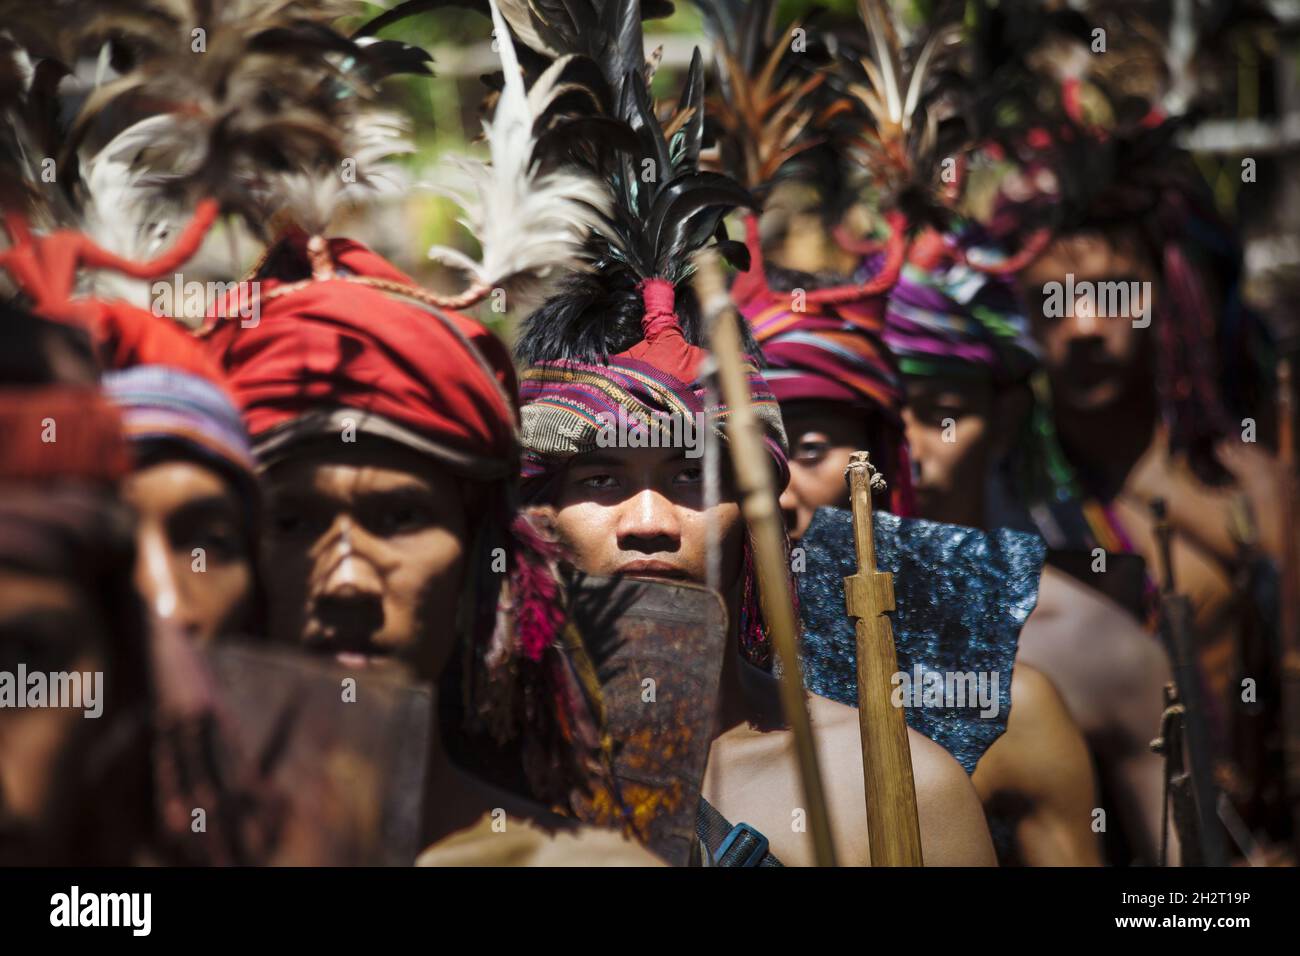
(758, 503)
(892, 825)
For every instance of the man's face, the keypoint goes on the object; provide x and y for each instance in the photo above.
(193, 565)
(364, 555)
(640, 511)
(949, 436)
(822, 437)
(1092, 360)
(47, 625)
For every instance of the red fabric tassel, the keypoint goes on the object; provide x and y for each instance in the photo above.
(539, 614)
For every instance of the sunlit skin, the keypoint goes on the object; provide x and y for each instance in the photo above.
(640, 511)
(365, 554)
(45, 624)
(182, 506)
(822, 436)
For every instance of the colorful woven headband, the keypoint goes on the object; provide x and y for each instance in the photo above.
(163, 404)
(945, 318)
(833, 350)
(566, 404)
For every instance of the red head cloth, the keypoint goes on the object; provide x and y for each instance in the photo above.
(358, 337)
(59, 432)
(664, 346)
(47, 267)
(126, 336)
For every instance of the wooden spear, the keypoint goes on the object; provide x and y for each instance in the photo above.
(758, 502)
(893, 829)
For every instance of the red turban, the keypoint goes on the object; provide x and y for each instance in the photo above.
(126, 336)
(58, 432)
(363, 339)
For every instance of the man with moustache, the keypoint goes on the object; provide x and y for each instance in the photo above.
(962, 346)
(1167, 403)
(384, 428)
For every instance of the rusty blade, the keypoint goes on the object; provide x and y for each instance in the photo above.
(658, 652)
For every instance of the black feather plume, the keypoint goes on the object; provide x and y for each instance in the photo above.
(665, 207)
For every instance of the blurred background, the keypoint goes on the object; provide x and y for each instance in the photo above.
(1238, 60)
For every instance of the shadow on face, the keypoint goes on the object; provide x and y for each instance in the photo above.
(641, 511)
(1093, 355)
(950, 437)
(193, 565)
(47, 626)
(822, 436)
(364, 554)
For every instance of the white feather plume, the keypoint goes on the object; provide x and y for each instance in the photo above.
(122, 212)
(532, 226)
(312, 197)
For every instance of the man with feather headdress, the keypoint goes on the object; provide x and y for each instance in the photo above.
(624, 337)
(1156, 394)
(381, 419)
(790, 121)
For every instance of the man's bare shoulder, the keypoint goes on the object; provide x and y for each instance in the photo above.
(831, 714)
(841, 721)
(1078, 635)
(953, 831)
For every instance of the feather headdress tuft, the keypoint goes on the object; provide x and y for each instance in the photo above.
(254, 104)
(664, 207)
(896, 133)
(763, 108)
(532, 214)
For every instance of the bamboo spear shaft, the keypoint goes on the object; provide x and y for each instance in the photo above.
(893, 829)
(758, 503)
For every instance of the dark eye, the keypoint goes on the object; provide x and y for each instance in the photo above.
(810, 452)
(217, 542)
(689, 476)
(598, 482)
(296, 521)
(287, 522)
(402, 519)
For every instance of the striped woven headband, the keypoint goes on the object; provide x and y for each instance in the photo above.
(829, 352)
(950, 319)
(566, 404)
(163, 403)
